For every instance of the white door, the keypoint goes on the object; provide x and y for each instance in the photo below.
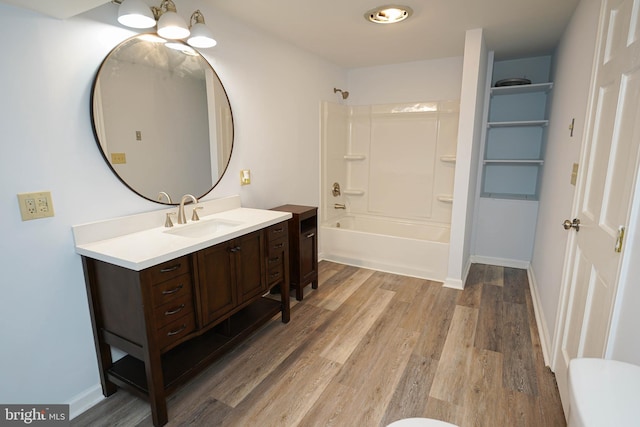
(605, 188)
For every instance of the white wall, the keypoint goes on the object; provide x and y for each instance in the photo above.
(275, 92)
(571, 74)
(433, 80)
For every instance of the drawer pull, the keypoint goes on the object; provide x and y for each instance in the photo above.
(172, 291)
(278, 245)
(174, 311)
(235, 249)
(274, 275)
(278, 230)
(170, 269)
(177, 331)
(310, 235)
(272, 260)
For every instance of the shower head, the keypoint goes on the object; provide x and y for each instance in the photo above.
(344, 93)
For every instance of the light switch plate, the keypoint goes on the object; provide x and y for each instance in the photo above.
(35, 205)
(245, 177)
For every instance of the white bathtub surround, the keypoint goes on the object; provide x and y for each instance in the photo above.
(395, 164)
(400, 247)
(392, 160)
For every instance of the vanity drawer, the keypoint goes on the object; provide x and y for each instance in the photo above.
(277, 231)
(167, 270)
(276, 247)
(176, 330)
(275, 273)
(168, 291)
(172, 310)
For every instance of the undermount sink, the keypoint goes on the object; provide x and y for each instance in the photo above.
(204, 228)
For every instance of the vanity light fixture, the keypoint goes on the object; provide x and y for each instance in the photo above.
(170, 25)
(389, 14)
(201, 35)
(135, 14)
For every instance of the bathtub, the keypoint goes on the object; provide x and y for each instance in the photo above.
(401, 247)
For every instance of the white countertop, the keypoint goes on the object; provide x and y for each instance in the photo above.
(141, 241)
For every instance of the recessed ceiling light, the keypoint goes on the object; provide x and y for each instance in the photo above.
(389, 14)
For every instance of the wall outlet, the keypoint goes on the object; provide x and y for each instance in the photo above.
(35, 205)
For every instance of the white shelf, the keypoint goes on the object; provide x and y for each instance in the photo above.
(510, 196)
(514, 161)
(518, 89)
(354, 157)
(448, 159)
(520, 123)
(353, 192)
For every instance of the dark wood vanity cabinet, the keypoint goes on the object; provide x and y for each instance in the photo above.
(231, 273)
(175, 318)
(303, 246)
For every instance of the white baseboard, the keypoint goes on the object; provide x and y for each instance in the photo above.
(459, 283)
(85, 400)
(453, 283)
(543, 330)
(503, 262)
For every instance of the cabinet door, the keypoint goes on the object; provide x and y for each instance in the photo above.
(249, 265)
(216, 277)
(308, 255)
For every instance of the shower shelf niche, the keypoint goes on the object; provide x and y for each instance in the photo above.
(353, 192)
(354, 157)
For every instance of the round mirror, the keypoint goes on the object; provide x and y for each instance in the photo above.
(162, 119)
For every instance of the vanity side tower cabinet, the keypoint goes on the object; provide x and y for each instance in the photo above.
(303, 246)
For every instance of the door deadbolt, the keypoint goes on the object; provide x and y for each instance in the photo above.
(568, 224)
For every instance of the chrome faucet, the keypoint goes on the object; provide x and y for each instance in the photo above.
(339, 206)
(182, 219)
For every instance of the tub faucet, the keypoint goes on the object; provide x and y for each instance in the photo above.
(339, 206)
(182, 219)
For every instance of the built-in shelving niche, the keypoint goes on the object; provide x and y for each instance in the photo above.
(514, 147)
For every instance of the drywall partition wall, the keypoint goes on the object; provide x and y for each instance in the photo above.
(468, 151)
(48, 355)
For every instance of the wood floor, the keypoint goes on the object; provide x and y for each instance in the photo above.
(368, 348)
